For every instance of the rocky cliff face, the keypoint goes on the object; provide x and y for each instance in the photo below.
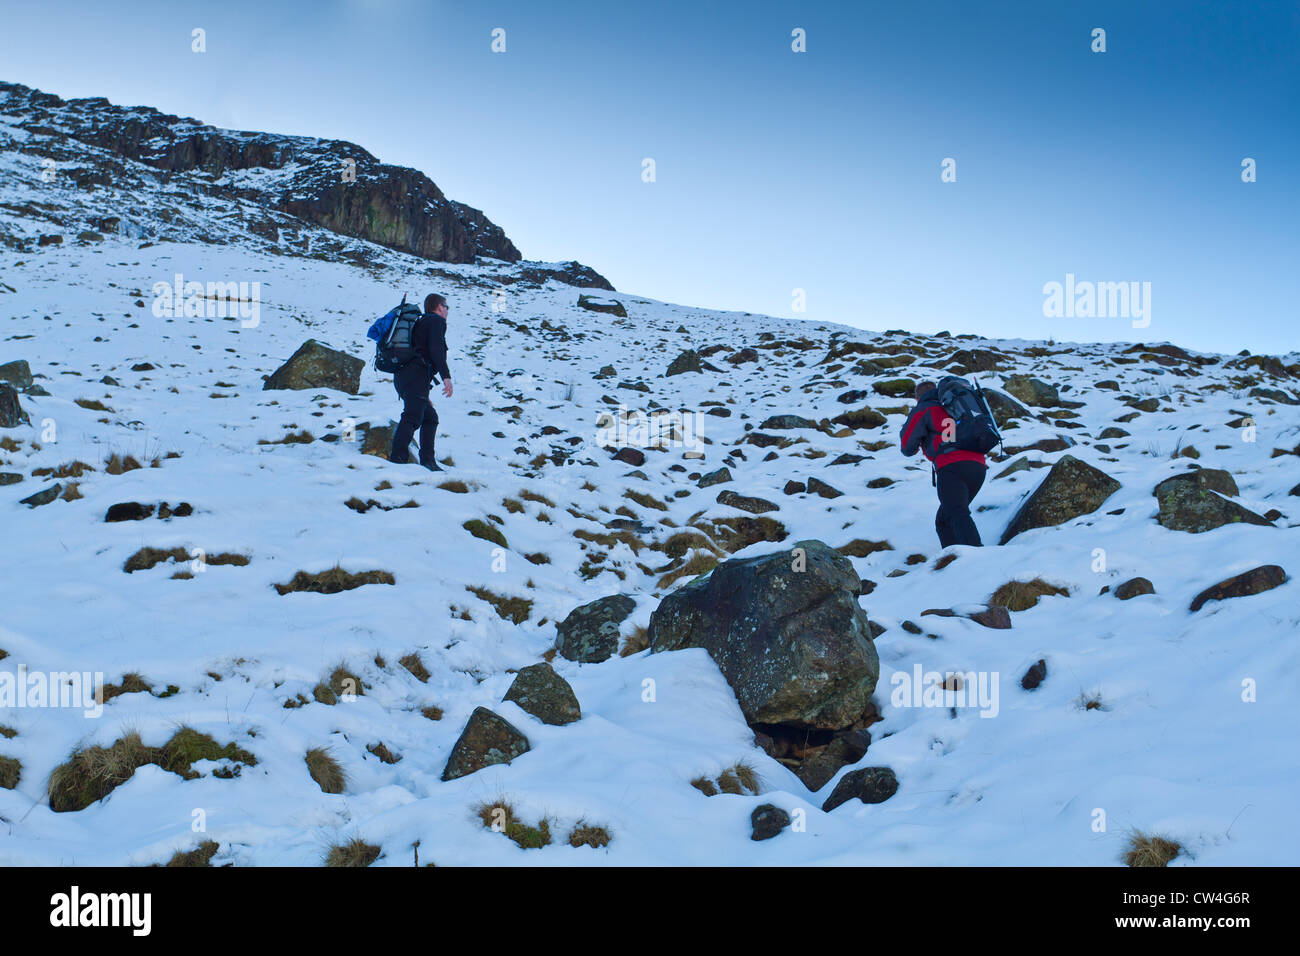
(328, 183)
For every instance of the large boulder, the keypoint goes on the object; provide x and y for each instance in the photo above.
(546, 695)
(688, 361)
(1072, 488)
(316, 365)
(1032, 391)
(1195, 502)
(486, 740)
(785, 630)
(865, 417)
(1004, 409)
(589, 634)
(11, 412)
(17, 373)
(1255, 581)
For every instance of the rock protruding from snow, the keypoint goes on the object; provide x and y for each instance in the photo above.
(870, 785)
(1195, 502)
(1072, 488)
(600, 304)
(688, 361)
(17, 373)
(1032, 391)
(546, 695)
(767, 821)
(11, 412)
(1133, 588)
(486, 740)
(316, 365)
(786, 631)
(1255, 581)
(589, 634)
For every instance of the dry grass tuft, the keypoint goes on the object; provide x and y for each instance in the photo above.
(635, 643)
(416, 666)
(325, 770)
(333, 581)
(356, 852)
(513, 609)
(1022, 595)
(499, 816)
(201, 855)
(1147, 850)
(584, 834)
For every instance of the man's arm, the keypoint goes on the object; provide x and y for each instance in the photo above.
(915, 430)
(436, 345)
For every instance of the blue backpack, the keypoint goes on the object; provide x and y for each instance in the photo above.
(393, 335)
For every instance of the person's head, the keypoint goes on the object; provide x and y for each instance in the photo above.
(435, 304)
(924, 388)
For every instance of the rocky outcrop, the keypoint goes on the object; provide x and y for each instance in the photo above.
(546, 695)
(597, 304)
(688, 361)
(1195, 502)
(316, 365)
(329, 183)
(486, 740)
(589, 634)
(793, 644)
(1072, 488)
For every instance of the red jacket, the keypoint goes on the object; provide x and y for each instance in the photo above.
(923, 431)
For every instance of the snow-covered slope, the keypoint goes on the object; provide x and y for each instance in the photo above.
(1173, 747)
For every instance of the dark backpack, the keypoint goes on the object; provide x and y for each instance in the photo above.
(394, 337)
(976, 429)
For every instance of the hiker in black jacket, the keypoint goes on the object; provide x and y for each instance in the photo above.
(414, 381)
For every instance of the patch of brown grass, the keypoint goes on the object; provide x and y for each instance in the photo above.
(416, 666)
(861, 548)
(356, 852)
(514, 609)
(1022, 595)
(635, 643)
(535, 497)
(699, 563)
(584, 834)
(1147, 850)
(201, 855)
(70, 469)
(119, 464)
(499, 816)
(333, 581)
(325, 770)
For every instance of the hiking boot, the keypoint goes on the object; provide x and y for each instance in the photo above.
(431, 465)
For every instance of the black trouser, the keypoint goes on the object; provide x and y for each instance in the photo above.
(958, 484)
(413, 386)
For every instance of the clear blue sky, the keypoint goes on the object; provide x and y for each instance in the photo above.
(778, 170)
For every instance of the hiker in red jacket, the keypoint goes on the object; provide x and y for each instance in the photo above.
(958, 474)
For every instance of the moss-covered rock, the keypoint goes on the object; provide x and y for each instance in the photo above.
(486, 740)
(1195, 502)
(316, 365)
(546, 695)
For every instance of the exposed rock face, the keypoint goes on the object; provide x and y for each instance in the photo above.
(486, 740)
(1189, 502)
(305, 177)
(870, 785)
(316, 365)
(1032, 391)
(590, 633)
(793, 644)
(1255, 581)
(1072, 488)
(11, 412)
(569, 273)
(378, 439)
(544, 694)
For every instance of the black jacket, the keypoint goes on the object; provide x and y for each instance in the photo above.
(430, 341)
